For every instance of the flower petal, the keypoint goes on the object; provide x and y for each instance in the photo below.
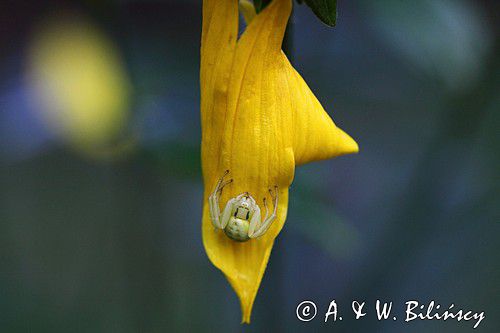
(248, 10)
(259, 119)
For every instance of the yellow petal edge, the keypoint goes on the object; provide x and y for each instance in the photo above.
(259, 119)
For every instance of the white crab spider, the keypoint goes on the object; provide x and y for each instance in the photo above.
(241, 218)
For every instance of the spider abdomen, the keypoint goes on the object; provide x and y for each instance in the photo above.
(237, 229)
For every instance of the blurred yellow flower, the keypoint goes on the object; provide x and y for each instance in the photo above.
(259, 119)
(80, 81)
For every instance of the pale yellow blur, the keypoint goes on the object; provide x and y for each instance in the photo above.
(80, 81)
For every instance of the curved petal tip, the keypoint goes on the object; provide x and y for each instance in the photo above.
(347, 145)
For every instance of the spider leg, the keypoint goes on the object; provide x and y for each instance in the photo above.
(213, 201)
(213, 205)
(267, 209)
(221, 186)
(254, 222)
(269, 219)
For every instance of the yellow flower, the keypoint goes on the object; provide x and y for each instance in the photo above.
(259, 119)
(81, 84)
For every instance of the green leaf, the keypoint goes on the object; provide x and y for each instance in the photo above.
(325, 10)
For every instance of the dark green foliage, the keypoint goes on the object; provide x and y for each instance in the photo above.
(325, 10)
(260, 4)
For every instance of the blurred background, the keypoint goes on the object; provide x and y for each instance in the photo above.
(100, 180)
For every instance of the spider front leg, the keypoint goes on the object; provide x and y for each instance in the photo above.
(255, 231)
(213, 201)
